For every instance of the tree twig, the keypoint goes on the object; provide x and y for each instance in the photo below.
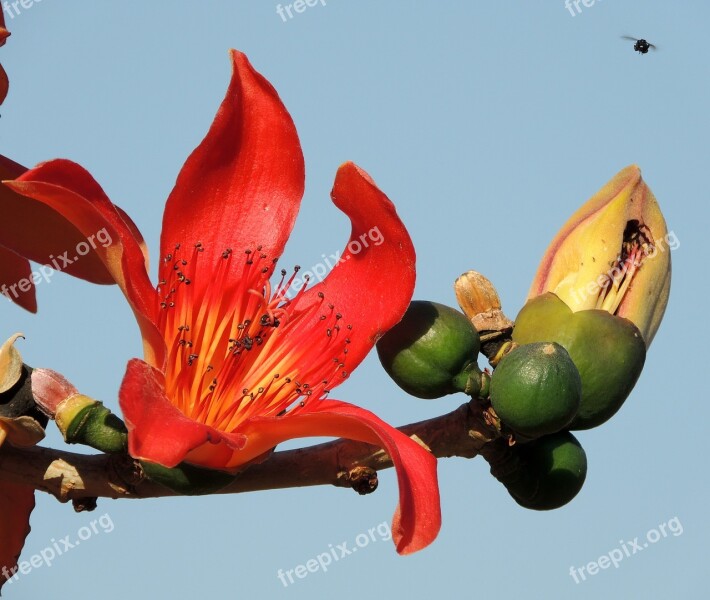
(344, 463)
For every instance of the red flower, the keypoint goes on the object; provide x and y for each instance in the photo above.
(232, 365)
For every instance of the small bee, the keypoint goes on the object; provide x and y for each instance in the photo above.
(640, 45)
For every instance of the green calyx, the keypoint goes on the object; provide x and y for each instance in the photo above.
(186, 479)
(536, 389)
(432, 351)
(83, 420)
(608, 351)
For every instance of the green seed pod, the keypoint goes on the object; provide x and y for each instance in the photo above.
(432, 351)
(609, 352)
(559, 465)
(536, 389)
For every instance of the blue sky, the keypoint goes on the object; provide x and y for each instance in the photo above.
(488, 124)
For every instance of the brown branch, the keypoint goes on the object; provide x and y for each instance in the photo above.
(344, 463)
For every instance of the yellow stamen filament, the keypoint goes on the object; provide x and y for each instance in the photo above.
(622, 272)
(237, 348)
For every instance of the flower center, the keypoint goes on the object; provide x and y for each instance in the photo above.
(237, 348)
(635, 249)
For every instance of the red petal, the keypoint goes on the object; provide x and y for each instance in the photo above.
(15, 271)
(16, 504)
(242, 186)
(3, 32)
(417, 519)
(49, 233)
(159, 432)
(4, 85)
(72, 192)
(371, 286)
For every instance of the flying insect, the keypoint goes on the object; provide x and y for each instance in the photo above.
(640, 45)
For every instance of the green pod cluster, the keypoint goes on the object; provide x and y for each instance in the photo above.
(432, 351)
(608, 351)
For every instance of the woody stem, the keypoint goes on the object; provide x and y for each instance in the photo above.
(344, 463)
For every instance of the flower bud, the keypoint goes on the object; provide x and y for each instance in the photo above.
(613, 254)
